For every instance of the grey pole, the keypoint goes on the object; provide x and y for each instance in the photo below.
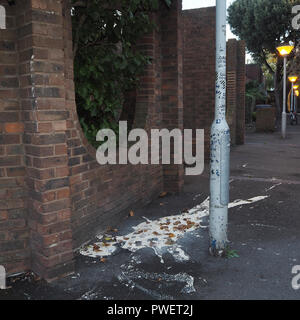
(293, 103)
(283, 125)
(220, 145)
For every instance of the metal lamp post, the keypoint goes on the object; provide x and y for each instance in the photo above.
(220, 144)
(284, 51)
(295, 88)
(296, 100)
(293, 80)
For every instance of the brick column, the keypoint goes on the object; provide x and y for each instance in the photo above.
(232, 84)
(241, 93)
(172, 91)
(43, 100)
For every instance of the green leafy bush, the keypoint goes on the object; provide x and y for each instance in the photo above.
(106, 62)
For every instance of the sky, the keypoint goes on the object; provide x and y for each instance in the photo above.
(193, 4)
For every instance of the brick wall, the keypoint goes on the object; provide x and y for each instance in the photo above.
(54, 195)
(14, 232)
(199, 76)
(199, 70)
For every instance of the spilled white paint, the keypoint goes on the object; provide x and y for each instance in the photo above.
(238, 203)
(161, 235)
(273, 187)
(100, 249)
(132, 276)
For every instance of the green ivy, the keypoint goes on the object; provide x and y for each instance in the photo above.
(106, 62)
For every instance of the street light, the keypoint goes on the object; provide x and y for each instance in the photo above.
(284, 51)
(296, 101)
(295, 89)
(219, 145)
(293, 79)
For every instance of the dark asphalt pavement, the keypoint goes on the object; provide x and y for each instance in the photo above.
(264, 238)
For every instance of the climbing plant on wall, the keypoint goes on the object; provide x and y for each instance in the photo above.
(106, 62)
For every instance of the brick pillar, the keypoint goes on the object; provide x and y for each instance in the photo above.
(231, 116)
(172, 91)
(241, 93)
(43, 100)
(199, 71)
(236, 82)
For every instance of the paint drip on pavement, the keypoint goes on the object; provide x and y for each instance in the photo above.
(161, 235)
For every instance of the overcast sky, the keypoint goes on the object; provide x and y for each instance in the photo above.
(193, 4)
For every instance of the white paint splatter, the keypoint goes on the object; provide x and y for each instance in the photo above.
(161, 235)
(273, 187)
(132, 276)
(237, 203)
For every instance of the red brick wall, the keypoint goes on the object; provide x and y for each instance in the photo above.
(54, 195)
(199, 70)
(199, 76)
(14, 233)
(241, 94)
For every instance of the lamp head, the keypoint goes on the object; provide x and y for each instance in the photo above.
(285, 50)
(293, 79)
(297, 93)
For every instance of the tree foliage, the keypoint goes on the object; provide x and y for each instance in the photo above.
(264, 24)
(106, 62)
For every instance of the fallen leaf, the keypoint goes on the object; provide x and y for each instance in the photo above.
(171, 235)
(163, 194)
(169, 242)
(96, 248)
(131, 213)
(106, 244)
(103, 260)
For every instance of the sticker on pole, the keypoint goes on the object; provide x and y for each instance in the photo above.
(2, 278)
(2, 18)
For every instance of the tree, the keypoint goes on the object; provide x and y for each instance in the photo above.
(106, 61)
(264, 24)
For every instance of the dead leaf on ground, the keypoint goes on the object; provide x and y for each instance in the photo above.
(131, 213)
(169, 242)
(106, 244)
(163, 194)
(96, 248)
(103, 260)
